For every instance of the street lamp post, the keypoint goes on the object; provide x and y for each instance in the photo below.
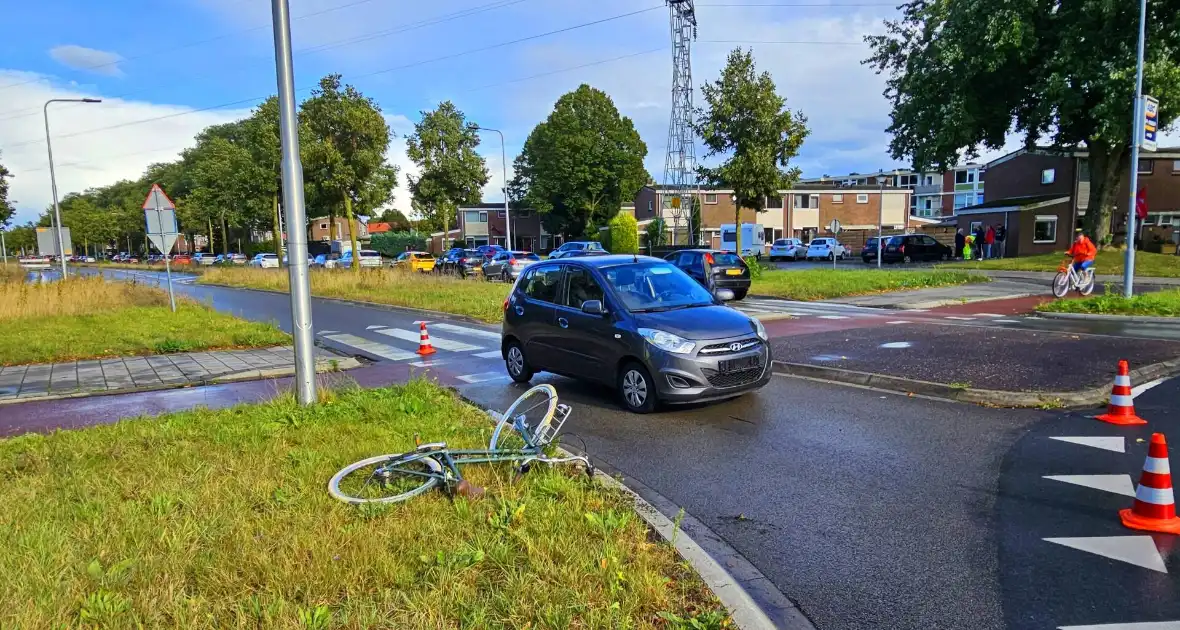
(61, 244)
(880, 217)
(1136, 137)
(504, 172)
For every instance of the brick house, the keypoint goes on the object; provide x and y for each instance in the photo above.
(318, 229)
(486, 224)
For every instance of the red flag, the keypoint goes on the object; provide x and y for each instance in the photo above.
(1141, 203)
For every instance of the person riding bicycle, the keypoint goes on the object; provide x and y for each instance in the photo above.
(1083, 252)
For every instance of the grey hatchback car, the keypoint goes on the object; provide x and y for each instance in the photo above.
(635, 323)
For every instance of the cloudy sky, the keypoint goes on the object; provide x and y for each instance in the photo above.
(166, 70)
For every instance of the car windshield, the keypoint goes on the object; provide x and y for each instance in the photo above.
(423, 256)
(819, 243)
(271, 256)
(781, 242)
(471, 252)
(651, 287)
(727, 258)
(896, 240)
(368, 253)
(526, 256)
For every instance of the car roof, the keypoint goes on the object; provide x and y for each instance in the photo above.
(609, 260)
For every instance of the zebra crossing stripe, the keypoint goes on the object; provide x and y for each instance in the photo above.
(493, 354)
(438, 342)
(483, 377)
(371, 347)
(464, 330)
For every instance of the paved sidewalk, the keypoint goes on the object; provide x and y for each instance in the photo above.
(21, 382)
(945, 296)
(1047, 276)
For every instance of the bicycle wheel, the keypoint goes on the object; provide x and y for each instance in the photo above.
(385, 478)
(1061, 284)
(1087, 286)
(537, 406)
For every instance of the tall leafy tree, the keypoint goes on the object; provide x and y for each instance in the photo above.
(344, 153)
(450, 171)
(580, 164)
(397, 220)
(964, 74)
(747, 121)
(263, 141)
(6, 209)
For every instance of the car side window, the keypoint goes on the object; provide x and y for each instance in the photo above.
(580, 287)
(684, 260)
(696, 261)
(927, 240)
(542, 284)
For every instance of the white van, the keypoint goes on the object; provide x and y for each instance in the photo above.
(753, 239)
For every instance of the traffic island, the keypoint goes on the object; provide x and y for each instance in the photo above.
(992, 366)
(224, 517)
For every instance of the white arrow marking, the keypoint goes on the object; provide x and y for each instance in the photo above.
(1137, 550)
(1118, 484)
(1143, 625)
(1105, 443)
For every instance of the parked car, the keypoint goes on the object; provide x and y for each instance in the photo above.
(908, 248)
(238, 259)
(587, 252)
(325, 261)
(369, 258)
(868, 253)
(714, 269)
(182, 259)
(825, 248)
(787, 248)
(640, 325)
(413, 261)
(88, 259)
(487, 251)
(470, 262)
(449, 261)
(204, 259)
(507, 265)
(265, 261)
(567, 249)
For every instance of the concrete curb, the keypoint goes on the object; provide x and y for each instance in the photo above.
(1080, 399)
(342, 364)
(1124, 319)
(746, 613)
(947, 302)
(387, 307)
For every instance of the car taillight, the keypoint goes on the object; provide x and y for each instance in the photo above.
(505, 304)
(708, 258)
(512, 261)
(901, 249)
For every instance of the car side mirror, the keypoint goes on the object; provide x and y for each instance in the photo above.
(724, 295)
(593, 307)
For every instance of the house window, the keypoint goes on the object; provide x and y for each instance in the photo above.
(499, 214)
(1045, 229)
(1176, 167)
(1167, 219)
(651, 205)
(926, 204)
(837, 198)
(975, 226)
(523, 214)
(1048, 175)
(710, 197)
(1145, 166)
(979, 176)
(471, 216)
(774, 202)
(862, 198)
(483, 217)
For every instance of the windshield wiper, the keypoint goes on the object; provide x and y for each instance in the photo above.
(653, 309)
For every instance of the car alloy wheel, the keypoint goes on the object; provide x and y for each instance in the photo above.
(831, 257)
(505, 276)
(518, 367)
(635, 388)
(906, 259)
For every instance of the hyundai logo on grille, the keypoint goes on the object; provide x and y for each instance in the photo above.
(735, 346)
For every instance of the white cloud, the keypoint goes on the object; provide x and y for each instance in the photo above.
(87, 59)
(88, 159)
(399, 127)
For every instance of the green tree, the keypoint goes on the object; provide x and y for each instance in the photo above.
(656, 233)
(962, 75)
(22, 238)
(263, 141)
(397, 220)
(747, 121)
(224, 179)
(6, 209)
(580, 164)
(394, 243)
(624, 234)
(344, 153)
(451, 172)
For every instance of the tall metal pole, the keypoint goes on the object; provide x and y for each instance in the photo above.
(293, 207)
(3, 246)
(167, 254)
(504, 172)
(61, 245)
(1136, 136)
(880, 219)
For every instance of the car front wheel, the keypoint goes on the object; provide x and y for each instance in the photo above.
(636, 389)
(518, 366)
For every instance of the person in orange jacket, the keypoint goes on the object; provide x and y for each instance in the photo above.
(1082, 251)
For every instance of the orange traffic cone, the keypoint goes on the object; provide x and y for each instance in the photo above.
(1122, 405)
(1155, 507)
(424, 347)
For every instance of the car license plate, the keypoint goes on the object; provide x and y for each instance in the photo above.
(733, 272)
(733, 365)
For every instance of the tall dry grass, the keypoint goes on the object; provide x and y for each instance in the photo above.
(78, 296)
(11, 273)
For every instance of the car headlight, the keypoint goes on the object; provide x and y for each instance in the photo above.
(760, 329)
(667, 341)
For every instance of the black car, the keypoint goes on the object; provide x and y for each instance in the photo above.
(868, 253)
(638, 324)
(470, 262)
(714, 269)
(914, 247)
(449, 262)
(573, 248)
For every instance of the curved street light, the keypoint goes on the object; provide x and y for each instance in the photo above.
(61, 245)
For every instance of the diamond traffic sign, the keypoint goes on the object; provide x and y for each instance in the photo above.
(157, 200)
(160, 215)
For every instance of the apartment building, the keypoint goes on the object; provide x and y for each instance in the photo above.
(926, 188)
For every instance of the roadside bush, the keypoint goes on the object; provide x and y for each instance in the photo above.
(393, 243)
(656, 236)
(624, 234)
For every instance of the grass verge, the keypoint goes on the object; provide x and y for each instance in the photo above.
(1108, 262)
(222, 519)
(87, 318)
(473, 298)
(819, 284)
(1155, 304)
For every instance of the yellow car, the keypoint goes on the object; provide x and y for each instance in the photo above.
(415, 261)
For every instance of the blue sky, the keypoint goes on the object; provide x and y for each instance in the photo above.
(167, 69)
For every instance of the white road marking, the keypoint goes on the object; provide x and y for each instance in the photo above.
(1006, 321)
(917, 310)
(482, 377)
(987, 315)
(833, 317)
(1118, 484)
(438, 342)
(1141, 625)
(493, 354)
(896, 344)
(1137, 550)
(900, 321)
(464, 330)
(962, 319)
(1139, 389)
(372, 347)
(1116, 444)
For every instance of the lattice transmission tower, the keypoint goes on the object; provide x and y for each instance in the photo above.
(680, 165)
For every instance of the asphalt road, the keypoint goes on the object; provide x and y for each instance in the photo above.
(869, 509)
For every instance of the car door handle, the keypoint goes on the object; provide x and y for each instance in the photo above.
(563, 322)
